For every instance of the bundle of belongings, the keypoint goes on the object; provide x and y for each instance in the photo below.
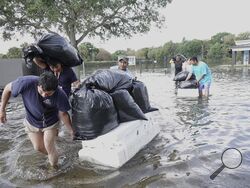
(105, 99)
(183, 83)
(50, 46)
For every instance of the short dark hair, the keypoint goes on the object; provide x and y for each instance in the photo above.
(48, 81)
(178, 58)
(194, 58)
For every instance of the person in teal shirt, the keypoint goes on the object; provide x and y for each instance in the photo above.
(203, 76)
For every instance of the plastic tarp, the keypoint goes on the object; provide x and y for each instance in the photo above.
(126, 107)
(109, 80)
(140, 95)
(93, 113)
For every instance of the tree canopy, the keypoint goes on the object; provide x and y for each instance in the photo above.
(14, 52)
(88, 51)
(79, 19)
(103, 55)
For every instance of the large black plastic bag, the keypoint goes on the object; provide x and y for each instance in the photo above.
(109, 80)
(93, 113)
(140, 94)
(56, 47)
(31, 69)
(126, 107)
(181, 76)
(28, 53)
(189, 84)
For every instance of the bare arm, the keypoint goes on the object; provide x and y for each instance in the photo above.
(67, 121)
(201, 78)
(184, 66)
(5, 98)
(189, 76)
(39, 62)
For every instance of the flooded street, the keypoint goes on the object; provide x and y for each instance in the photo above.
(194, 133)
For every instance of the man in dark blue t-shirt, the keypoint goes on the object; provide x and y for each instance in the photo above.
(44, 103)
(65, 75)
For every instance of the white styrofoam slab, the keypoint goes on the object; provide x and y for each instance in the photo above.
(119, 145)
(187, 93)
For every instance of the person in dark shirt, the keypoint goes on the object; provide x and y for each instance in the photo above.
(65, 75)
(178, 64)
(44, 103)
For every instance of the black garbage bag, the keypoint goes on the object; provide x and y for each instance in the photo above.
(56, 47)
(29, 52)
(189, 84)
(181, 76)
(140, 95)
(93, 113)
(109, 80)
(126, 107)
(31, 69)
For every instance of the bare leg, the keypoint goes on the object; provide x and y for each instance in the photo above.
(205, 91)
(37, 141)
(200, 93)
(49, 143)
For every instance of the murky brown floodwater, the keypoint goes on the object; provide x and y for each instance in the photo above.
(187, 151)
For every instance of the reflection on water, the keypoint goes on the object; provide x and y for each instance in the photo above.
(194, 133)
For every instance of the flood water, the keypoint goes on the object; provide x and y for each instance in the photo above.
(194, 133)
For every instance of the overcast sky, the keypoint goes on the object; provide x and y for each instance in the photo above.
(192, 19)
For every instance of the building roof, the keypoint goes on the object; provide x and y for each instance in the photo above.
(241, 45)
(242, 42)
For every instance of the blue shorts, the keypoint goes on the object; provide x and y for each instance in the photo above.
(204, 86)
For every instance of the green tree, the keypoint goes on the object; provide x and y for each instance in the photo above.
(243, 36)
(219, 37)
(142, 53)
(192, 48)
(78, 19)
(216, 51)
(14, 52)
(1, 55)
(130, 52)
(169, 49)
(229, 40)
(88, 51)
(118, 53)
(155, 54)
(103, 55)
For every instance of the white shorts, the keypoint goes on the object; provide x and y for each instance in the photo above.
(32, 129)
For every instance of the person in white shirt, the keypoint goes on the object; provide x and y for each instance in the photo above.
(187, 66)
(123, 65)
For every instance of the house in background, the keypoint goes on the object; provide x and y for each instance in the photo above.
(242, 46)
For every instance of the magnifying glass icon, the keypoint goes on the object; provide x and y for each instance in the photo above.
(231, 158)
